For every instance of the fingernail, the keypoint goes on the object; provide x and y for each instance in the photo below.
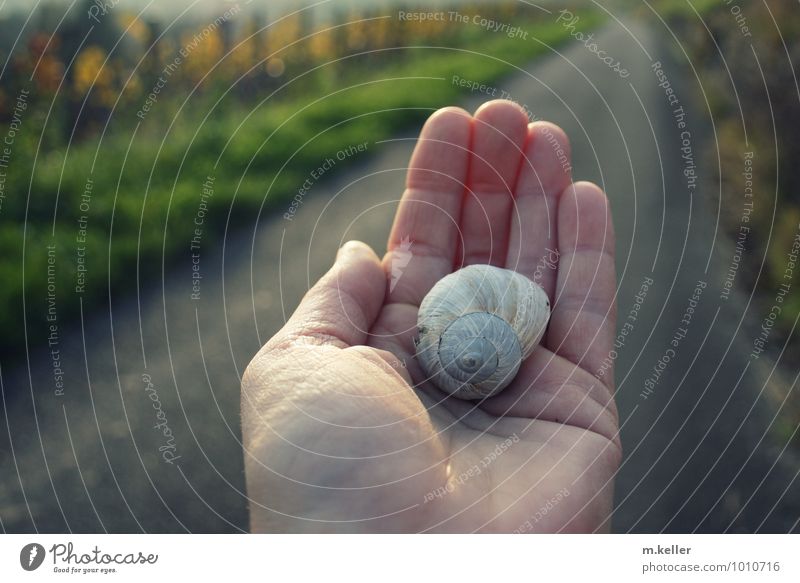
(352, 249)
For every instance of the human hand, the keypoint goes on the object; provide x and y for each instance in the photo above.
(340, 431)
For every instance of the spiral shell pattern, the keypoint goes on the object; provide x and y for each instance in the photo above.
(476, 326)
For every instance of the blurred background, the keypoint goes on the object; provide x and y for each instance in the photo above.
(173, 177)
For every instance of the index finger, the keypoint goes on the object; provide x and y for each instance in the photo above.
(424, 237)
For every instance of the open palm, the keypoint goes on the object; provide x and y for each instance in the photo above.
(342, 432)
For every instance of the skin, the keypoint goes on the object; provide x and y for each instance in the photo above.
(342, 433)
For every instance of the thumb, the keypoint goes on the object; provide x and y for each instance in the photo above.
(342, 306)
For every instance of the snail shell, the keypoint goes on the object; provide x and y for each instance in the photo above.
(476, 326)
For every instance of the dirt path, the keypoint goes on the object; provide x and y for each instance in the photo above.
(694, 428)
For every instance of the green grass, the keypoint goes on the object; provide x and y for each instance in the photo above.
(669, 9)
(150, 185)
